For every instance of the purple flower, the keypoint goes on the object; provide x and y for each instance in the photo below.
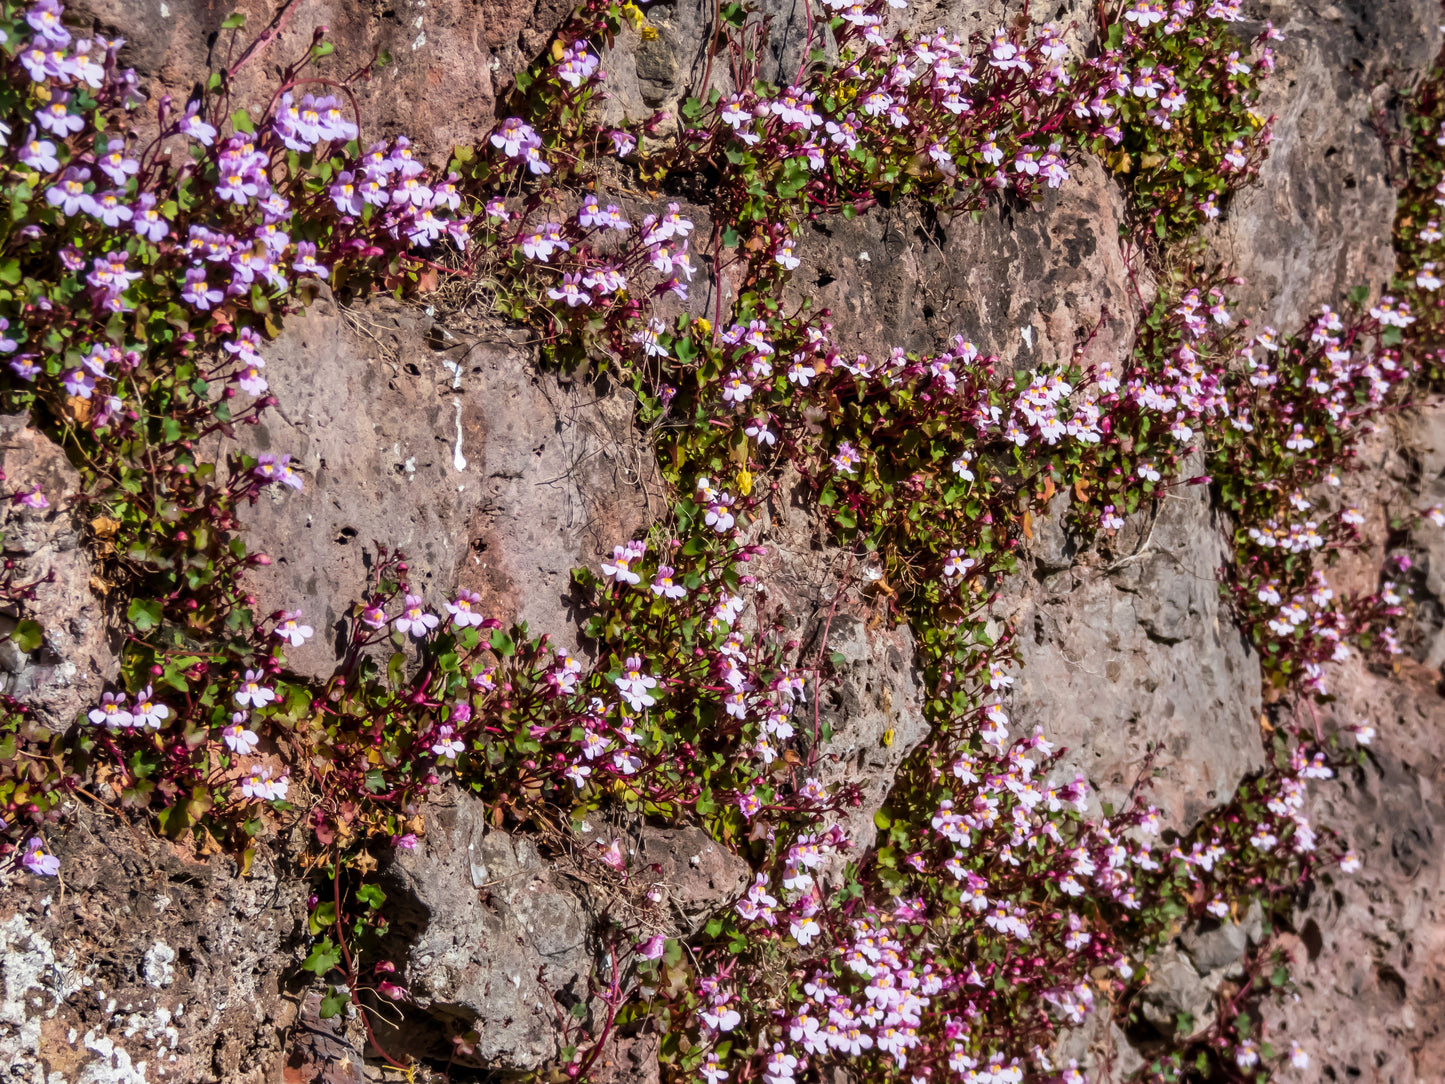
(447, 194)
(44, 18)
(107, 207)
(402, 160)
(532, 154)
(543, 241)
(253, 694)
(115, 165)
(446, 745)
(345, 194)
(411, 190)
(652, 948)
(238, 738)
(56, 118)
(424, 228)
(577, 64)
(38, 860)
(460, 233)
(308, 120)
(273, 237)
(275, 208)
(197, 294)
(192, 125)
(147, 711)
(250, 380)
(288, 126)
(34, 497)
(290, 629)
(111, 406)
(590, 214)
(39, 154)
(24, 367)
(96, 360)
(7, 344)
(463, 609)
(148, 221)
(109, 272)
(269, 468)
(236, 185)
(306, 261)
(376, 158)
(41, 63)
(112, 712)
(82, 68)
(69, 193)
(333, 124)
(78, 383)
(113, 300)
(570, 291)
(622, 142)
(512, 136)
(415, 620)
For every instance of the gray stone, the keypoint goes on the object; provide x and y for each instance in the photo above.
(697, 874)
(1175, 991)
(146, 958)
(1028, 287)
(1222, 947)
(873, 707)
(450, 60)
(67, 672)
(1137, 652)
(1319, 220)
(482, 470)
(1367, 947)
(488, 940)
(680, 877)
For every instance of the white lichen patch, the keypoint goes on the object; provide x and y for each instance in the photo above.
(112, 1065)
(159, 967)
(35, 983)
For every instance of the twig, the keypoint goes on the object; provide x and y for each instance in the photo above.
(266, 38)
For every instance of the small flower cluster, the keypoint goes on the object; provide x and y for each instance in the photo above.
(1297, 412)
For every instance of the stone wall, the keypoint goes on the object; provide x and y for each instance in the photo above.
(434, 430)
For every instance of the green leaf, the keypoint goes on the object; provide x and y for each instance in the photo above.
(234, 21)
(333, 1003)
(28, 636)
(323, 918)
(144, 613)
(324, 957)
(502, 644)
(371, 895)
